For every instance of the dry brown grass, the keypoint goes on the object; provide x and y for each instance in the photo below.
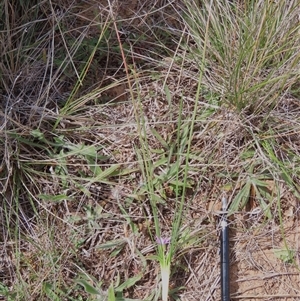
(49, 246)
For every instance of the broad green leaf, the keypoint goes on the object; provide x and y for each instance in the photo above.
(4, 290)
(83, 189)
(115, 252)
(285, 255)
(160, 138)
(111, 293)
(125, 172)
(180, 184)
(227, 187)
(59, 141)
(118, 279)
(92, 161)
(168, 95)
(158, 151)
(163, 160)
(157, 199)
(174, 169)
(87, 287)
(258, 182)
(107, 172)
(241, 198)
(153, 257)
(264, 206)
(265, 192)
(82, 149)
(37, 134)
(112, 244)
(50, 293)
(183, 138)
(129, 283)
(248, 154)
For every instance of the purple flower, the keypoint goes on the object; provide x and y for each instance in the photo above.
(162, 240)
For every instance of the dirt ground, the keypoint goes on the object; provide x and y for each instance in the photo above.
(258, 271)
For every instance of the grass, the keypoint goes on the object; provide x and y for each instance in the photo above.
(121, 131)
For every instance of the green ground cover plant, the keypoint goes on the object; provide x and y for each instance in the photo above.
(121, 127)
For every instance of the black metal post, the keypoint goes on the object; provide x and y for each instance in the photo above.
(225, 264)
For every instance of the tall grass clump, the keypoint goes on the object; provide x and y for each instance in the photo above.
(253, 50)
(46, 54)
(251, 68)
(23, 80)
(41, 50)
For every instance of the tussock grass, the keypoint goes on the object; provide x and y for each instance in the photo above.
(252, 54)
(120, 124)
(252, 63)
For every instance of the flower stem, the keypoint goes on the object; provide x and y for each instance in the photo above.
(165, 277)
